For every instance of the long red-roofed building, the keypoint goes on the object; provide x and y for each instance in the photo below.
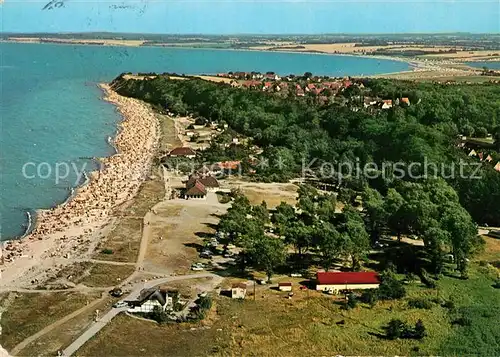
(336, 281)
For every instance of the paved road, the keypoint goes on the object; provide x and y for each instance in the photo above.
(97, 326)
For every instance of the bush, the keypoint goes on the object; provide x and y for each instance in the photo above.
(411, 278)
(426, 279)
(391, 288)
(419, 332)
(395, 329)
(158, 315)
(106, 251)
(463, 321)
(420, 304)
(352, 301)
(398, 329)
(369, 296)
(205, 302)
(223, 198)
(496, 285)
(449, 304)
(481, 132)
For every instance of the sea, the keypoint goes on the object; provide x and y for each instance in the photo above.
(54, 123)
(495, 65)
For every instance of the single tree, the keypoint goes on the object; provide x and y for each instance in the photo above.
(395, 329)
(391, 287)
(419, 330)
(267, 253)
(328, 240)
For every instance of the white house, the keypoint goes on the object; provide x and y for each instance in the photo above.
(472, 153)
(238, 291)
(387, 104)
(285, 286)
(149, 298)
(337, 281)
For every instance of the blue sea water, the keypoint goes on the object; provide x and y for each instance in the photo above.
(51, 111)
(490, 64)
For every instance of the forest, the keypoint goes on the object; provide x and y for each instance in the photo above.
(321, 235)
(299, 130)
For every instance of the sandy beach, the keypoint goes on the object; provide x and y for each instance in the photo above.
(62, 232)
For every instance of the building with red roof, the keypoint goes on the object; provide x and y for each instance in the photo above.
(337, 281)
(405, 100)
(195, 190)
(285, 286)
(209, 182)
(229, 165)
(386, 103)
(182, 152)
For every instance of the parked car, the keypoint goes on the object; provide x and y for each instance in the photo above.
(206, 254)
(380, 245)
(197, 267)
(120, 304)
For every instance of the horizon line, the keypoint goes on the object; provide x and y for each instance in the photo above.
(256, 34)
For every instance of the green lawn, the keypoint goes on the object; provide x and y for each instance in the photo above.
(312, 323)
(29, 313)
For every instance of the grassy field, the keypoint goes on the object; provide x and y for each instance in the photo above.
(93, 274)
(122, 243)
(96, 275)
(29, 313)
(63, 335)
(461, 79)
(272, 193)
(132, 337)
(169, 138)
(315, 324)
(151, 192)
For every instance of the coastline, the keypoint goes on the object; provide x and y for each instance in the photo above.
(422, 65)
(379, 57)
(60, 231)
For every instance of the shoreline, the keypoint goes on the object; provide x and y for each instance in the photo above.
(175, 46)
(421, 65)
(375, 57)
(59, 231)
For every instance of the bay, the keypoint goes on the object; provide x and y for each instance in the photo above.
(51, 111)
